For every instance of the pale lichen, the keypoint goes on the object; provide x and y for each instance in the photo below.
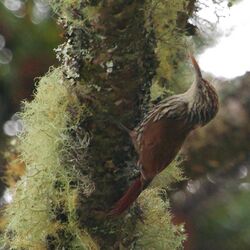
(156, 231)
(171, 174)
(171, 45)
(45, 201)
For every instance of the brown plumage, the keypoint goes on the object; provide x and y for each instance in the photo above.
(159, 137)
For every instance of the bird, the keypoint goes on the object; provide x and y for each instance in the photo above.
(159, 136)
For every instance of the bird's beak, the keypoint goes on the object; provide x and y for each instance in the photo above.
(196, 67)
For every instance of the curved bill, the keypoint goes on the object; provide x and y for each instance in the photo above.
(196, 67)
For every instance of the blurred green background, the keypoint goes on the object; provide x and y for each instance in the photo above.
(28, 35)
(214, 203)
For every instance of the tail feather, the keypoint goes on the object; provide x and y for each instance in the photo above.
(128, 198)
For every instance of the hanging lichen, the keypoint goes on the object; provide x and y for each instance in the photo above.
(48, 182)
(163, 17)
(156, 231)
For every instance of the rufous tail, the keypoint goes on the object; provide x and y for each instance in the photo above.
(128, 198)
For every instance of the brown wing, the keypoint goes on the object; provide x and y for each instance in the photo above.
(160, 142)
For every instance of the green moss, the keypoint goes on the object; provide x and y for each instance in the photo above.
(171, 174)
(45, 201)
(162, 16)
(75, 11)
(157, 232)
(65, 8)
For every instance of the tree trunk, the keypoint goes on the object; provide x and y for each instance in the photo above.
(117, 57)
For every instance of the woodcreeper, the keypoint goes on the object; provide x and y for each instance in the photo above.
(160, 135)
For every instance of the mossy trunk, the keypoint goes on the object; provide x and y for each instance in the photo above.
(117, 57)
(118, 75)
